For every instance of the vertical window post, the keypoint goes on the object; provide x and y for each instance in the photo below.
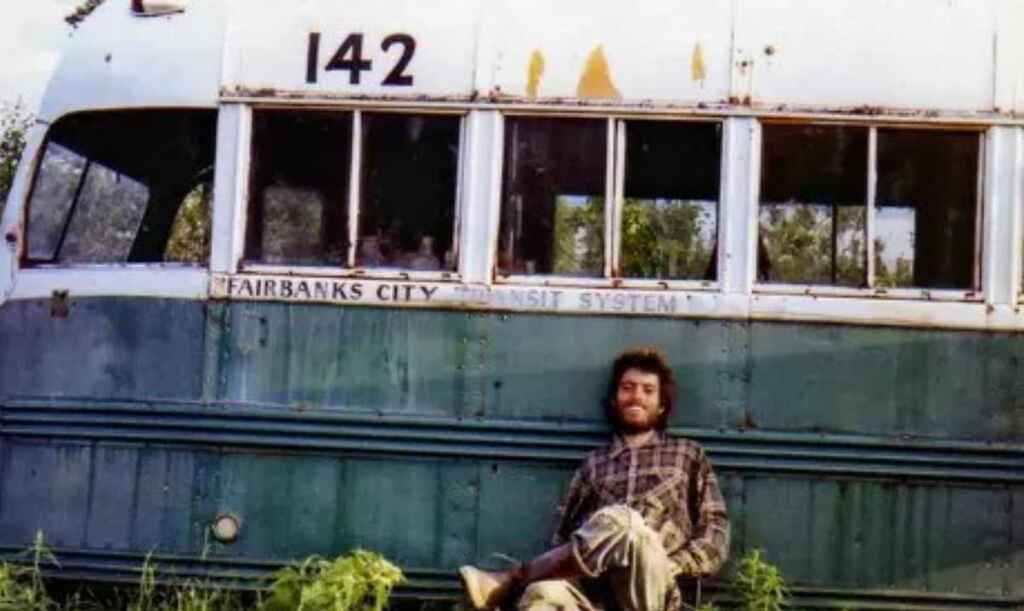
(979, 220)
(230, 187)
(481, 188)
(610, 230)
(1003, 198)
(869, 218)
(617, 199)
(355, 165)
(460, 193)
(737, 223)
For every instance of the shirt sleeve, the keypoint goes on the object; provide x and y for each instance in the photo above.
(570, 510)
(708, 548)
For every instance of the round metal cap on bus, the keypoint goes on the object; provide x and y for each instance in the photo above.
(225, 528)
(153, 8)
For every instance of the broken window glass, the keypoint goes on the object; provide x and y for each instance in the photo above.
(56, 186)
(670, 211)
(409, 172)
(812, 207)
(107, 216)
(111, 184)
(553, 197)
(298, 202)
(926, 217)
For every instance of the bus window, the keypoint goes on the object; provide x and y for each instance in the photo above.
(298, 203)
(407, 211)
(299, 207)
(111, 185)
(670, 212)
(814, 202)
(926, 214)
(553, 197)
(812, 208)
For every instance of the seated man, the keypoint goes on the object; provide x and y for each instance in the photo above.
(639, 513)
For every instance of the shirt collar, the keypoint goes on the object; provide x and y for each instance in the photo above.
(619, 444)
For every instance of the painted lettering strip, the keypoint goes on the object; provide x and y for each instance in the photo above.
(635, 301)
(345, 291)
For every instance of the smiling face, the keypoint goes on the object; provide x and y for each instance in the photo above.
(637, 405)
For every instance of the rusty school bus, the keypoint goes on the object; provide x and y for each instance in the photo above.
(352, 274)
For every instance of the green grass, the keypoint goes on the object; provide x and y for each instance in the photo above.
(757, 586)
(360, 581)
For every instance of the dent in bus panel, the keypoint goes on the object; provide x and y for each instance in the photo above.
(298, 203)
(114, 187)
(407, 208)
(812, 211)
(927, 204)
(670, 213)
(553, 197)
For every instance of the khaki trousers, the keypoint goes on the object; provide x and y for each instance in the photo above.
(618, 546)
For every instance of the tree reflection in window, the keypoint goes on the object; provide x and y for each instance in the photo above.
(579, 235)
(669, 223)
(814, 203)
(927, 208)
(553, 202)
(812, 212)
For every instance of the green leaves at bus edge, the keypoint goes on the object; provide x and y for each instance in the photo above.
(15, 122)
(759, 585)
(360, 581)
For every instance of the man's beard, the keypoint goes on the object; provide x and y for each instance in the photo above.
(631, 428)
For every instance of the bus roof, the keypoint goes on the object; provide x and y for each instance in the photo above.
(957, 57)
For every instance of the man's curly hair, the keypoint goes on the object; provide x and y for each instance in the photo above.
(647, 359)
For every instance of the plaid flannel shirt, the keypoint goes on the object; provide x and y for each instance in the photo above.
(669, 481)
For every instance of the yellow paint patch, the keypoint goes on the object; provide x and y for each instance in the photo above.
(534, 72)
(698, 71)
(596, 81)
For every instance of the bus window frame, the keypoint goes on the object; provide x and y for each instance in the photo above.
(353, 200)
(974, 294)
(615, 175)
(51, 266)
(735, 296)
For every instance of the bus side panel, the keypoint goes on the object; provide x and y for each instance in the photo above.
(767, 376)
(854, 533)
(887, 381)
(102, 348)
(442, 437)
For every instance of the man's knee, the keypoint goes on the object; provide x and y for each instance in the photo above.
(616, 536)
(624, 521)
(555, 592)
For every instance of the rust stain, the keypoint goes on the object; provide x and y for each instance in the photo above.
(534, 72)
(596, 80)
(11, 236)
(698, 71)
(60, 304)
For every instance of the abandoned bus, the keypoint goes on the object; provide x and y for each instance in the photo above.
(288, 278)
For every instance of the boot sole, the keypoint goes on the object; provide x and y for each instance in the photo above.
(469, 584)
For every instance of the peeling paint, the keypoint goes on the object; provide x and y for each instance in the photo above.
(534, 72)
(698, 71)
(11, 237)
(596, 80)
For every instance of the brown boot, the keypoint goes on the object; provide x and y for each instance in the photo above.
(487, 590)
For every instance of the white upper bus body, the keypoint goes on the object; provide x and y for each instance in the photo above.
(743, 64)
